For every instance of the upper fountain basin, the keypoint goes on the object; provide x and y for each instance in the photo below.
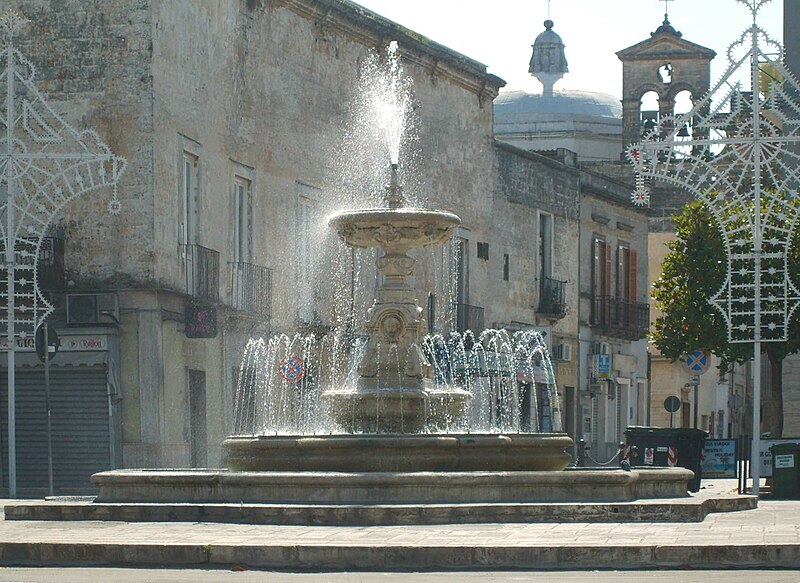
(395, 230)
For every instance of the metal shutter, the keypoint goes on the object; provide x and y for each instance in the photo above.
(80, 428)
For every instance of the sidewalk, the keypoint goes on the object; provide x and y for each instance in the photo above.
(768, 536)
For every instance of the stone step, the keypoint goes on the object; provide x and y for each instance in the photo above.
(674, 510)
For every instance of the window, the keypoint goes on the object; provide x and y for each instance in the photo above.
(306, 212)
(626, 273)
(601, 268)
(545, 246)
(649, 108)
(242, 220)
(601, 281)
(190, 167)
(483, 250)
(462, 270)
(305, 220)
(665, 73)
(506, 266)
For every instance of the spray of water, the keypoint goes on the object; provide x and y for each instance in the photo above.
(509, 376)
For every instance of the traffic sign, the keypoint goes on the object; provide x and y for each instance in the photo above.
(46, 350)
(672, 404)
(697, 362)
(603, 366)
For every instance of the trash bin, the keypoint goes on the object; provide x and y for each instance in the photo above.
(786, 470)
(666, 446)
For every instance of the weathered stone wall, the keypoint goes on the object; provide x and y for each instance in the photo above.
(256, 89)
(93, 63)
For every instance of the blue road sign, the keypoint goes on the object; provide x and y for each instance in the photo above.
(603, 366)
(698, 362)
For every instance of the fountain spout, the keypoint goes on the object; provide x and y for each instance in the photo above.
(394, 192)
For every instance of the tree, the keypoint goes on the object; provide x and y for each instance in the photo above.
(692, 272)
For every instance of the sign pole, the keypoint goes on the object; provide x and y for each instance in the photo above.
(47, 406)
(9, 264)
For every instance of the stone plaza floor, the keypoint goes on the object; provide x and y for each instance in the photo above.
(765, 537)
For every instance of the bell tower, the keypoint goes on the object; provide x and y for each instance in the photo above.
(663, 66)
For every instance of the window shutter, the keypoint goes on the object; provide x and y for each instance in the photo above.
(632, 276)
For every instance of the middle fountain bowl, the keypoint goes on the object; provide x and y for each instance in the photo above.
(395, 392)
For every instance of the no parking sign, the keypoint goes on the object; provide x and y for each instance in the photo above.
(697, 362)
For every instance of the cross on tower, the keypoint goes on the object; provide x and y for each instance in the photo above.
(666, 8)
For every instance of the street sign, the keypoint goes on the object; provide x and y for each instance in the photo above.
(672, 404)
(46, 350)
(697, 362)
(603, 366)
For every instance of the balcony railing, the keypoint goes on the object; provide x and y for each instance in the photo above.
(620, 318)
(201, 267)
(251, 289)
(469, 318)
(50, 265)
(551, 298)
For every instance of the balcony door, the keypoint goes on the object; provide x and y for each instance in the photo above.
(601, 281)
(461, 265)
(189, 184)
(626, 284)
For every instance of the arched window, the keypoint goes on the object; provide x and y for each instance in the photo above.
(648, 111)
(683, 105)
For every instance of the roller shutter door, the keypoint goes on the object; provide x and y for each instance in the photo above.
(80, 428)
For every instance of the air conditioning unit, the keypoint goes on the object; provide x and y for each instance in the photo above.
(562, 352)
(89, 309)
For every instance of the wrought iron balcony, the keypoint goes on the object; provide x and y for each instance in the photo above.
(620, 318)
(50, 262)
(201, 268)
(251, 289)
(469, 318)
(551, 298)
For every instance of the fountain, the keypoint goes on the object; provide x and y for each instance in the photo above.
(393, 417)
(396, 408)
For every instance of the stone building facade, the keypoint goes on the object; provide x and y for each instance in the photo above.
(583, 131)
(231, 114)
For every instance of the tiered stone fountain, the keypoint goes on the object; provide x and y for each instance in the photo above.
(389, 415)
(399, 438)
(398, 396)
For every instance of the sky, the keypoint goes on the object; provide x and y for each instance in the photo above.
(499, 33)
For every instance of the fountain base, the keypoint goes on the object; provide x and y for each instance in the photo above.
(398, 453)
(390, 488)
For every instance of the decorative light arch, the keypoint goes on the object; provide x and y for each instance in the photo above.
(44, 164)
(744, 164)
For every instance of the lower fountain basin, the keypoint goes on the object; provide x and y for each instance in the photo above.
(398, 453)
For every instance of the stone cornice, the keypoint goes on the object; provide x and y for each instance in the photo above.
(372, 30)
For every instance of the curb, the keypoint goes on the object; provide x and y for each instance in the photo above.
(381, 557)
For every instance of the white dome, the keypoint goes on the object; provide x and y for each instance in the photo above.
(516, 102)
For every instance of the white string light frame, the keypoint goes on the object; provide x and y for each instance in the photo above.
(742, 160)
(739, 160)
(44, 164)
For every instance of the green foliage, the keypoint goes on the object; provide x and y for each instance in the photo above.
(692, 272)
